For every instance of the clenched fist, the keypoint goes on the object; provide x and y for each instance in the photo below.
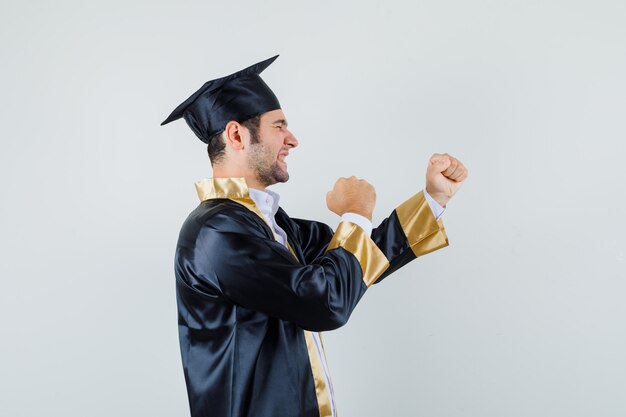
(352, 195)
(444, 176)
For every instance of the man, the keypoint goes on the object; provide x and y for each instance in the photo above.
(255, 286)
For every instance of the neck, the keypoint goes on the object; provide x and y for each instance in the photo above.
(220, 171)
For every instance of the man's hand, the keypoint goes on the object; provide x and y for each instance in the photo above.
(444, 176)
(352, 195)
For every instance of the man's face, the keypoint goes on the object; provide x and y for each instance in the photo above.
(267, 157)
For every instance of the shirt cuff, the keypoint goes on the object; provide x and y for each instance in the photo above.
(434, 206)
(361, 221)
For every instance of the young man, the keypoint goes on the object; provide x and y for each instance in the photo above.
(255, 286)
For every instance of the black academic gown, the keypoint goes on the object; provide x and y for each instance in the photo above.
(247, 305)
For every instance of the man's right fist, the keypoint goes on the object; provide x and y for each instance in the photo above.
(352, 195)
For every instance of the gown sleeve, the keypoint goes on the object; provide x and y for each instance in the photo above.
(228, 258)
(312, 237)
(410, 231)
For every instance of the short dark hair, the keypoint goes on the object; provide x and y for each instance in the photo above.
(217, 147)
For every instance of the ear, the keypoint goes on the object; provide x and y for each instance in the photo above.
(233, 135)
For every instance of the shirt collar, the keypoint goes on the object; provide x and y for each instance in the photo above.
(266, 200)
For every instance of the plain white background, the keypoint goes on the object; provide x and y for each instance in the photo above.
(523, 315)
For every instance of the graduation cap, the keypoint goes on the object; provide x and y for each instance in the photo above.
(239, 96)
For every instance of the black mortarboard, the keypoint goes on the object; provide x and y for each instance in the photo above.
(239, 96)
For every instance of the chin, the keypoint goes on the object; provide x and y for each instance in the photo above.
(282, 178)
(280, 175)
(274, 176)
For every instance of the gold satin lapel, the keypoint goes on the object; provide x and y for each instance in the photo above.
(354, 239)
(222, 188)
(248, 203)
(332, 390)
(321, 390)
(234, 189)
(292, 251)
(423, 232)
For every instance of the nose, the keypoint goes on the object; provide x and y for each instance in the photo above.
(291, 140)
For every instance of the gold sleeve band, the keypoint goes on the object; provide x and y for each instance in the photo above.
(354, 239)
(423, 232)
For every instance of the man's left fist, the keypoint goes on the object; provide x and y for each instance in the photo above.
(444, 176)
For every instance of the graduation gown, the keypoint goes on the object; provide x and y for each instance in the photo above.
(247, 304)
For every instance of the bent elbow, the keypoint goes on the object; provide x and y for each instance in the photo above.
(336, 322)
(327, 320)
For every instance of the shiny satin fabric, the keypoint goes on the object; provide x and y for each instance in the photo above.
(245, 302)
(373, 262)
(424, 233)
(238, 96)
(322, 390)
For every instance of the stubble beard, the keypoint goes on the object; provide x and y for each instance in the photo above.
(265, 166)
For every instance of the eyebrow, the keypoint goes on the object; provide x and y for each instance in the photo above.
(280, 122)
